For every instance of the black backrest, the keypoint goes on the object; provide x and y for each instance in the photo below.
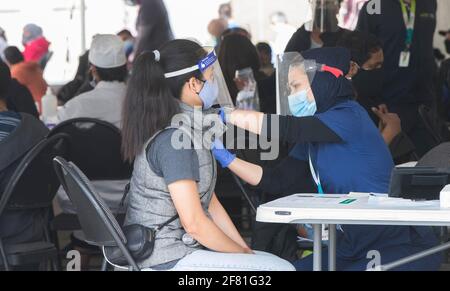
(34, 183)
(438, 157)
(95, 148)
(96, 219)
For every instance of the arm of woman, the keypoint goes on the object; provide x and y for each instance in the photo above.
(223, 221)
(289, 129)
(186, 199)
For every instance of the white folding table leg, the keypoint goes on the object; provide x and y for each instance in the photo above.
(332, 247)
(317, 254)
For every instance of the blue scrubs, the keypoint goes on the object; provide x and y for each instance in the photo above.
(362, 163)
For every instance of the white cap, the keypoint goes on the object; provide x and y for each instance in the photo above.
(107, 51)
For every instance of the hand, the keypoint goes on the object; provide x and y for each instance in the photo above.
(383, 108)
(248, 251)
(240, 84)
(390, 124)
(222, 155)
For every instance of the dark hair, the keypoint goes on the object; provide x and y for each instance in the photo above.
(5, 79)
(125, 32)
(361, 45)
(13, 55)
(236, 30)
(264, 47)
(237, 52)
(118, 74)
(151, 99)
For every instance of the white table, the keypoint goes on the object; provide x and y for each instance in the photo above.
(361, 209)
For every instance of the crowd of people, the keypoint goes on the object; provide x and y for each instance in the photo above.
(346, 104)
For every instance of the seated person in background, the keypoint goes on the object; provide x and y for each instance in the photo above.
(36, 45)
(28, 74)
(265, 58)
(366, 74)
(18, 97)
(82, 82)
(108, 67)
(19, 132)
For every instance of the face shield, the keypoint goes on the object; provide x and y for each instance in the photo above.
(323, 16)
(294, 78)
(215, 91)
(248, 97)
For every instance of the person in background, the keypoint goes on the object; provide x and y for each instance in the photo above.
(226, 13)
(127, 37)
(283, 31)
(349, 12)
(406, 30)
(18, 97)
(237, 52)
(366, 74)
(82, 83)
(28, 74)
(265, 58)
(108, 65)
(3, 43)
(152, 25)
(315, 34)
(216, 28)
(446, 34)
(36, 45)
(19, 132)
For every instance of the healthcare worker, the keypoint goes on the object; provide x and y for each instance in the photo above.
(338, 145)
(170, 93)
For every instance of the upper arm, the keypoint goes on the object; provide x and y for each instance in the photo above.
(171, 163)
(343, 122)
(186, 198)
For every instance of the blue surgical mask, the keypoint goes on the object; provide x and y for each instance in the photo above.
(300, 106)
(209, 94)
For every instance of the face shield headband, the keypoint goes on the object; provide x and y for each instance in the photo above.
(202, 65)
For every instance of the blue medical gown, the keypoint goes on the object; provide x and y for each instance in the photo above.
(362, 163)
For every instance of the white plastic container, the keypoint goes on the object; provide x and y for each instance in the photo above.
(49, 105)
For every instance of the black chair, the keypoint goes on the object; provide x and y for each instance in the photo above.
(32, 187)
(97, 221)
(95, 147)
(434, 125)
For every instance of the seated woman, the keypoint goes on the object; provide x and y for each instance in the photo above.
(168, 180)
(337, 145)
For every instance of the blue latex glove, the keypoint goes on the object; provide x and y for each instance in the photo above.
(222, 155)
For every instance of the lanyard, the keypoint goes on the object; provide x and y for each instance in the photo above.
(409, 21)
(315, 177)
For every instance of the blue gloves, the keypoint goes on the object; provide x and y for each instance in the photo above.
(222, 155)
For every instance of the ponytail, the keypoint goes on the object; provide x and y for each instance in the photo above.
(148, 106)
